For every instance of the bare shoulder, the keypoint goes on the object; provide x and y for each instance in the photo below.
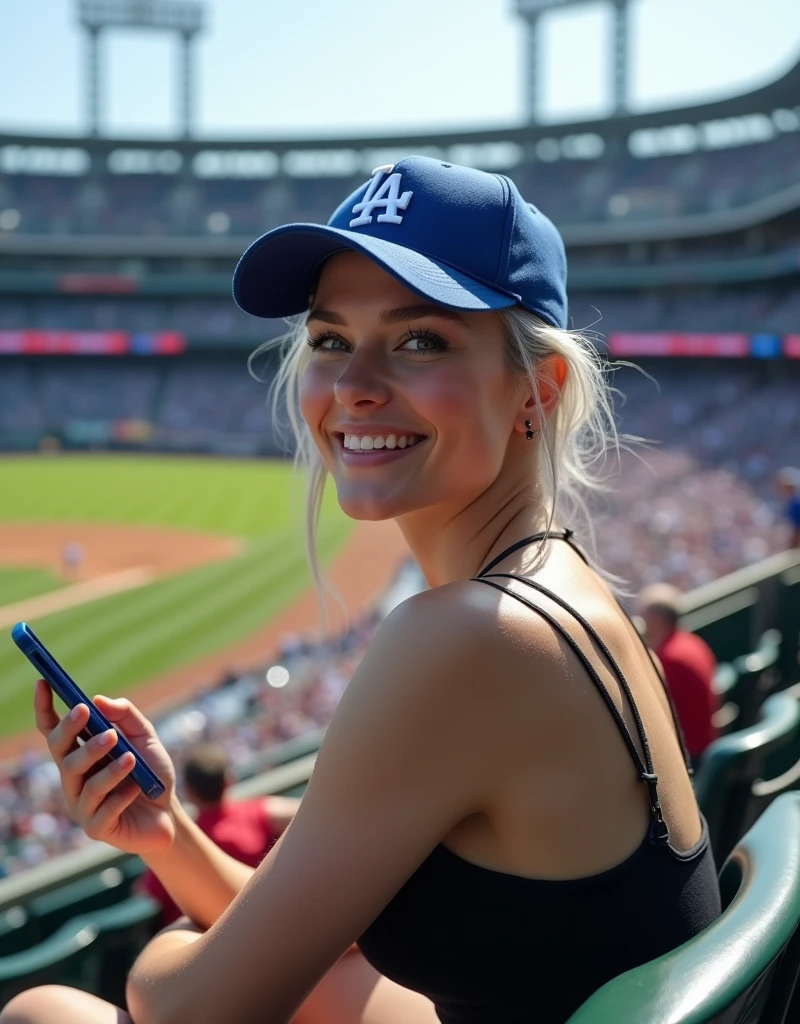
(459, 645)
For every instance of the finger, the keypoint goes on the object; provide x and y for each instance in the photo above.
(46, 717)
(97, 788)
(102, 822)
(77, 764)
(64, 738)
(126, 717)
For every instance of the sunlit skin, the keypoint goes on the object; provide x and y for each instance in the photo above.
(387, 361)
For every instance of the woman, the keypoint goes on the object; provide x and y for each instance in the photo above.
(501, 814)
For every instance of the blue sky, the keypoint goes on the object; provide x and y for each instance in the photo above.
(333, 66)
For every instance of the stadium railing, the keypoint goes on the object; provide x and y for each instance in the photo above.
(733, 764)
(742, 968)
(731, 613)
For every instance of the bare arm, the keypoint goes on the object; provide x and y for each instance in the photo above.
(417, 710)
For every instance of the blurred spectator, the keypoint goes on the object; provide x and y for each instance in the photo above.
(789, 490)
(244, 829)
(689, 665)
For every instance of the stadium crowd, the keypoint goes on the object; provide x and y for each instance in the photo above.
(590, 186)
(753, 308)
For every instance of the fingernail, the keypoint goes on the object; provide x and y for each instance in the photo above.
(76, 712)
(104, 739)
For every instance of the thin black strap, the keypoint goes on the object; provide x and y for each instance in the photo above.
(542, 535)
(659, 831)
(567, 535)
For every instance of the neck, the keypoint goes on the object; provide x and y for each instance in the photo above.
(454, 543)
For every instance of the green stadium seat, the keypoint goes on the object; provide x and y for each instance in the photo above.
(743, 685)
(789, 612)
(724, 684)
(742, 969)
(757, 677)
(733, 763)
(92, 951)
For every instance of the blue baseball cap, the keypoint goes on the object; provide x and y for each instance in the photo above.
(463, 238)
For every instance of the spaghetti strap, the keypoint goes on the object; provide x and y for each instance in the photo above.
(568, 535)
(659, 831)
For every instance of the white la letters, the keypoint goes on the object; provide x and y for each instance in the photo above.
(387, 196)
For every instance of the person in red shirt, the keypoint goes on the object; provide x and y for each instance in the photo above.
(246, 829)
(689, 666)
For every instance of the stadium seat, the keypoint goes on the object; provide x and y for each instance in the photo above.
(733, 763)
(742, 969)
(92, 951)
(743, 685)
(789, 598)
(724, 683)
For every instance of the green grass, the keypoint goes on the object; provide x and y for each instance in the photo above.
(112, 645)
(17, 583)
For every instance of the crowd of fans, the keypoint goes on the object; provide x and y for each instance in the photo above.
(613, 186)
(752, 308)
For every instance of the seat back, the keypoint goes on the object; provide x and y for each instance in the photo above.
(789, 612)
(92, 951)
(733, 763)
(743, 968)
(757, 677)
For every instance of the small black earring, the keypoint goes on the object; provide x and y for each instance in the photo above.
(529, 433)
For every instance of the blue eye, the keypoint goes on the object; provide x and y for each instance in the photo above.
(326, 341)
(424, 342)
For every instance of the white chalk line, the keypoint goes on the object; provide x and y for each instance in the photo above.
(79, 593)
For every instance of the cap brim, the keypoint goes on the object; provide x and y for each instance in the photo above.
(275, 275)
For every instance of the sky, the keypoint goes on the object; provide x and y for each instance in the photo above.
(308, 67)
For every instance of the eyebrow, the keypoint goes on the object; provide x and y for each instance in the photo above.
(394, 316)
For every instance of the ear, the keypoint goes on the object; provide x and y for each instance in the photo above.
(551, 375)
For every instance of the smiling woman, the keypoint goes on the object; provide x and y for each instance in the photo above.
(505, 761)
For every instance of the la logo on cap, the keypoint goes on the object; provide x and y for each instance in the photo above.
(387, 196)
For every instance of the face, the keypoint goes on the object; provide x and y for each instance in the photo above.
(411, 405)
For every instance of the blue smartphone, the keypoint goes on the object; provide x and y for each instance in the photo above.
(69, 691)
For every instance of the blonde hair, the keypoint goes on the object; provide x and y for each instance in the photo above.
(574, 440)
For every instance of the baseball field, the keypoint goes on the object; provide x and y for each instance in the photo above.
(177, 558)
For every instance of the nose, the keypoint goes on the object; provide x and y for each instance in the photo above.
(362, 383)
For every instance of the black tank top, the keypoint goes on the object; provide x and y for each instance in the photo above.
(487, 947)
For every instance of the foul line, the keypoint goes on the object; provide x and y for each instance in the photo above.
(78, 593)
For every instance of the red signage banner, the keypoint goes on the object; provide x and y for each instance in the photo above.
(91, 343)
(655, 343)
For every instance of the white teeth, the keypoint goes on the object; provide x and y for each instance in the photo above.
(367, 444)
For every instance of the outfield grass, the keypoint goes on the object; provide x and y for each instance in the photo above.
(16, 584)
(113, 644)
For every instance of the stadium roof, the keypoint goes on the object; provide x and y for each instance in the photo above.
(783, 92)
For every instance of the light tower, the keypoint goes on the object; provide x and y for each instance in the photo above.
(184, 18)
(531, 10)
